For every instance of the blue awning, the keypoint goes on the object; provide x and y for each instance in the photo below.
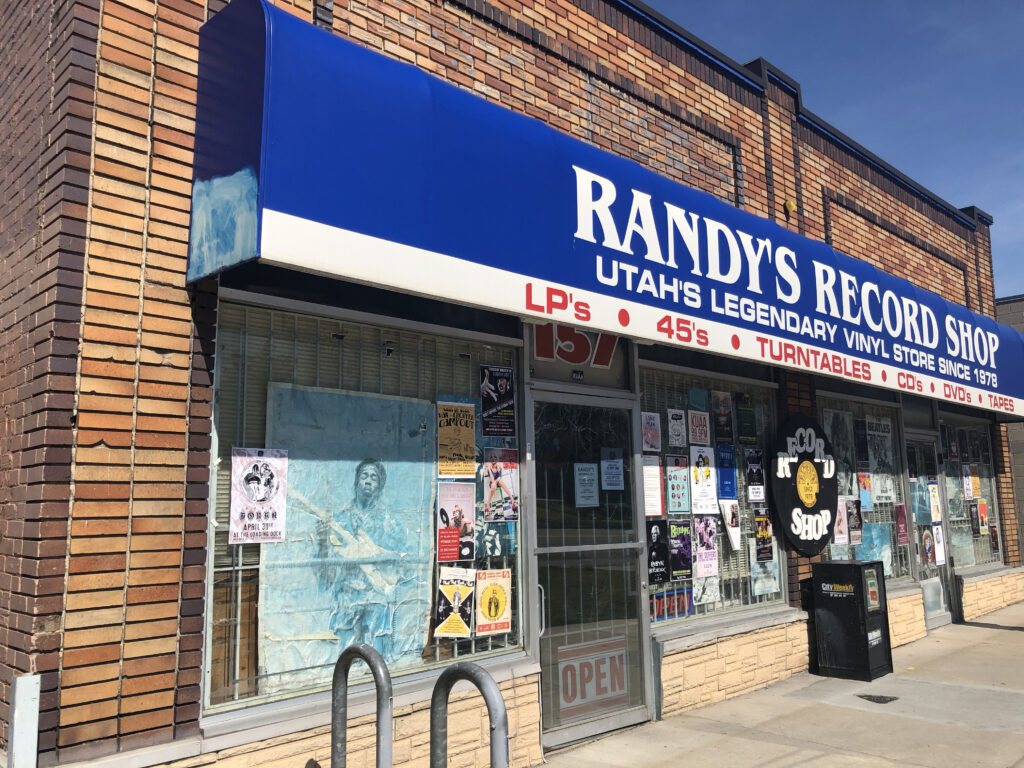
(316, 154)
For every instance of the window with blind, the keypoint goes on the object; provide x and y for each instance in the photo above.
(870, 467)
(711, 569)
(355, 406)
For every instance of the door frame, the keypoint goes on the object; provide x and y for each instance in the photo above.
(552, 392)
(931, 437)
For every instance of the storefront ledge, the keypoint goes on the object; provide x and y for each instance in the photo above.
(906, 588)
(180, 749)
(280, 718)
(682, 638)
(986, 572)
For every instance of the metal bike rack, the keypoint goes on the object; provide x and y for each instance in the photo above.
(339, 705)
(495, 712)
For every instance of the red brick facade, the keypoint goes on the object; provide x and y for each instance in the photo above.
(48, 55)
(107, 357)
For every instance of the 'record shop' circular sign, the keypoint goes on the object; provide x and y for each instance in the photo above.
(805, 487)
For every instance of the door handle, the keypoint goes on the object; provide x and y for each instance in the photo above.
(543, 601)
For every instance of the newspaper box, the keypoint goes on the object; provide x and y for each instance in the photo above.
(851, 620)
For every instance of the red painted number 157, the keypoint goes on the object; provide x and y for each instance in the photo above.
(572, 346)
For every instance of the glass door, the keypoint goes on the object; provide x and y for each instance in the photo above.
(928, 512)
(592, 642)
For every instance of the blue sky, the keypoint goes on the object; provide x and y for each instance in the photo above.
(936, 89)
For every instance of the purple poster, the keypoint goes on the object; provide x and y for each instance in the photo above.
(902, 531)
(705, 531)
(680, 549)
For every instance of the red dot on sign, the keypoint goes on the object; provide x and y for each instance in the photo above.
(883, 376)
(623, 317)
(933, 386)
(735, 341)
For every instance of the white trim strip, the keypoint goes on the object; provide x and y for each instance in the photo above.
(296, 243)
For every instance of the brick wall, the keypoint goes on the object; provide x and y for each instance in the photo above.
(981, 596)
(1008, 519)
(130, 652)
(1009, 447)
(129, 661)
(906, 619)
(730, 666)
(47, 54)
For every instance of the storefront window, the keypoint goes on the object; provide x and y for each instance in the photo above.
(706, 452)
(873, 520)
(970, 493)
(383, 536)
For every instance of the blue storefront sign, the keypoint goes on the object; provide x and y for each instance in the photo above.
(316, 154)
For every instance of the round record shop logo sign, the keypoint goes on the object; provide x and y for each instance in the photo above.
(804, 484)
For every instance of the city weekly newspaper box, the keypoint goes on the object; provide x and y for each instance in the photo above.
(851, 620)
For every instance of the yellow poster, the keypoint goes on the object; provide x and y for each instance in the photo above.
(975, 481)
(456, 440)
(493, 602)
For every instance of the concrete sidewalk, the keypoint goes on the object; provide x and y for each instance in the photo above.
(959, 701)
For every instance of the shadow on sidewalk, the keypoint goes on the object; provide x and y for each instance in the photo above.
(984, 625)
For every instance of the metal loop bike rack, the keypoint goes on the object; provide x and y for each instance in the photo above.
(495, 712)
(339, 704)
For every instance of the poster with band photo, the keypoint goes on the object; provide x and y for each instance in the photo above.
(456, 517)
(501, 484)
(657, 551)
(497, 401)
